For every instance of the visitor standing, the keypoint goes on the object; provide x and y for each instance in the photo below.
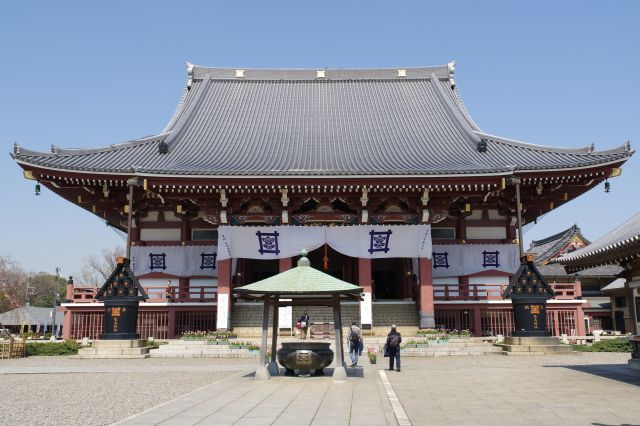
(393, 347)
(355, 343)
(304, 324)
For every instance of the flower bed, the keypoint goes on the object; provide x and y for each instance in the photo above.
(212, 337)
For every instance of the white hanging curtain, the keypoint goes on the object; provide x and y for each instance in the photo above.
(452, 260)
(277, 242)
(181, 261)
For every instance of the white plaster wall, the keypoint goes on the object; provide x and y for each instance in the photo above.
(486, 232)
(163, 234)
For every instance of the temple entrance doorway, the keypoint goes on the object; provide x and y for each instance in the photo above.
(390, 279)
(338, 266)
(251, 270)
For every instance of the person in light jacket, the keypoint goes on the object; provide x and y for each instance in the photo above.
(354, 339)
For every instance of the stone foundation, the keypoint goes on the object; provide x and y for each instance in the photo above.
(534, 346)
(116, 349)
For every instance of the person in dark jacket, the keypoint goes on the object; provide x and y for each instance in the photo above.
(393, 347)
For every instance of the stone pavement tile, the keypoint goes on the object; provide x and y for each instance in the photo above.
(239, 407)
(336, 405)
(304, 406)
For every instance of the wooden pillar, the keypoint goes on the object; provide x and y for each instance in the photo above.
(265, 331)
(67, 324)
(477, 321)
(224, 295)
(364, 281)
(183, 288)
(274, 336)
(580, 325)
(286, 263)
(337, 326)
(185, 231)
(171, 323)
(631, 308)
(427, 309)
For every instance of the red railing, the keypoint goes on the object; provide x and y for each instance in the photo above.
(563, 291)
(157, 294)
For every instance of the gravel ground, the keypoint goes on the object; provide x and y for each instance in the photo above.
(72, 391)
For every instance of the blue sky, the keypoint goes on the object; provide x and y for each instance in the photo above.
(85, 74)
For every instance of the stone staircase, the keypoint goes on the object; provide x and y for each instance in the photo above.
(246, 318)
(201, 349)
(471, 346)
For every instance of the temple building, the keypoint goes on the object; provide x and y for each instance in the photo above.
(591, 284)
(381, 174)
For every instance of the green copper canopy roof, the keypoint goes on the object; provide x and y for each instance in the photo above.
(302, 280)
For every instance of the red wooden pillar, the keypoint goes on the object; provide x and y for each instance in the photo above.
(171, 323)
(183, 288)
(427, 309)
(67, 323)
(223, 297)
(580, 325)
(477, 321)
(364, 281)
(286, 263)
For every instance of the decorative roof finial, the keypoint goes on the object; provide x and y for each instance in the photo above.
(452, 68)
(16, 148)
(304, 260)
(190, 68)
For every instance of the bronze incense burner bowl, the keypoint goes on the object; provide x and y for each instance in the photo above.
(305, 357)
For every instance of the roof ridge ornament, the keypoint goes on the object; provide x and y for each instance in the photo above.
(16, 148)
(190, 69)
(451, 66)
(54, 149)
(627, 146)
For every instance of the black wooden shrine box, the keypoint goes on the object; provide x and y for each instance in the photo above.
(121, 294)
(529, 292)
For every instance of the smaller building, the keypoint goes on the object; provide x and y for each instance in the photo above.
(620, 247)
(588, 283)
(34, 318)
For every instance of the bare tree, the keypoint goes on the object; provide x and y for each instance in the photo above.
(13, 284)
(97, 268)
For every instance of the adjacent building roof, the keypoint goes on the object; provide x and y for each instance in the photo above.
(620, 245)
(565, 242)
(320, 122)
(30, 315)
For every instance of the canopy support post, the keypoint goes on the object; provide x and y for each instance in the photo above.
(340, 372)
(261, 372)
(273, 366)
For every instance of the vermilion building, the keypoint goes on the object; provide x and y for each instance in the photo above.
(380, 151)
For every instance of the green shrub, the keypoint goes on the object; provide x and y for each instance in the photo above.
(613, 345)
(152, 344)
(68, 347)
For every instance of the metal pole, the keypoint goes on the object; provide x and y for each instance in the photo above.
(130, 218)
(265, 332)
(516, 182)
(53, 315)
(337, 327)
(274, 337)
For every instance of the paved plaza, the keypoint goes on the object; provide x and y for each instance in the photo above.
(583, 389)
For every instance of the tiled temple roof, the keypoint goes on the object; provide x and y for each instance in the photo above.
(299, 123)
(620, 245)
(551, 247)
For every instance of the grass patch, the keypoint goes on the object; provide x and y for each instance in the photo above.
(68, 347)
(613, 345)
